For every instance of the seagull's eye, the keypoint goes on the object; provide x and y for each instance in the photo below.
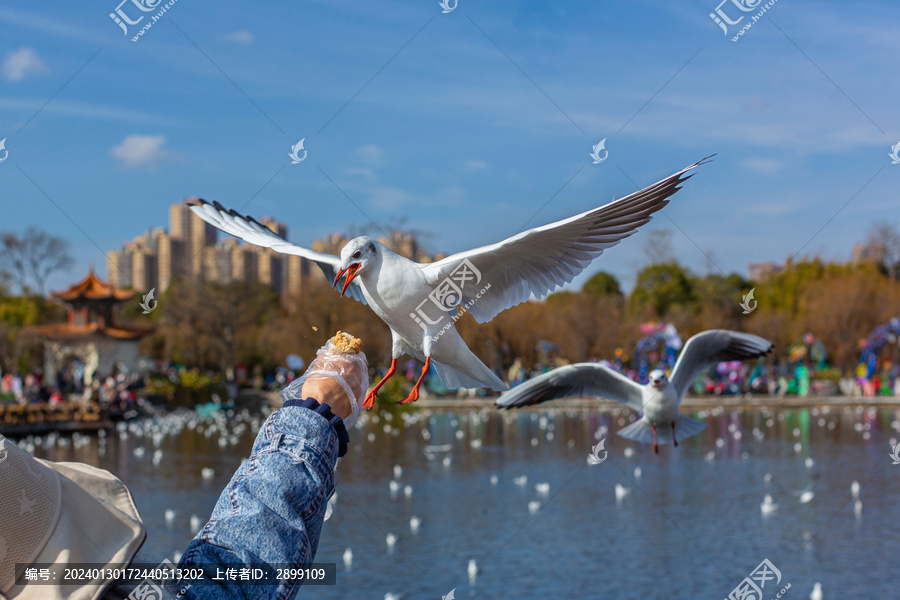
(357, 254)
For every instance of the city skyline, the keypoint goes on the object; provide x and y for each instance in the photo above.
(191, 247)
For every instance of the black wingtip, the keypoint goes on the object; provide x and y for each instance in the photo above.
(701, 162)
(219, 207)
(195, 202)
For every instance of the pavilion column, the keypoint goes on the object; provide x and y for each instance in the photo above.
(91, 362)
(51, 362)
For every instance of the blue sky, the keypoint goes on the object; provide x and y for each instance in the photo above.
(469, 123)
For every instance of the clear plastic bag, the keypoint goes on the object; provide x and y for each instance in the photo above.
(349, 369)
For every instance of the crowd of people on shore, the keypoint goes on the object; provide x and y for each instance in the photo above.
(803, 371)
(117, 393)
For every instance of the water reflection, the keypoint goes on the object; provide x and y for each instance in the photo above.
(505, 505)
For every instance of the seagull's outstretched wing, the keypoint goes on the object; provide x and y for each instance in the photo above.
(713, 346)
(250, 230)
(581, 379)
(542, 259)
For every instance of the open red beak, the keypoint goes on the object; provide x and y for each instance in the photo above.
(351, 272)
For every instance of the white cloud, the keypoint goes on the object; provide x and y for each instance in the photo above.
(105, 112)
(391, 199)
(140, 151)
(364, 172)
(768, 166)
(370, 154)
(388, 199)
(39, 21)
(241, 37)
(474, 165)
(756, 103)
(19, 63)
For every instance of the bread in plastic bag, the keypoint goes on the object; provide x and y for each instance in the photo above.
(340, 362)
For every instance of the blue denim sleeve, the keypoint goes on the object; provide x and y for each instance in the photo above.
(273, 509)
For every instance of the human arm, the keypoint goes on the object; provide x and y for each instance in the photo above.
(273, 508)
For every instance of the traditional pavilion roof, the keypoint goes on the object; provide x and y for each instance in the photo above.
(93, 288)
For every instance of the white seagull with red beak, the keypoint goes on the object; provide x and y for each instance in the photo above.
(659, 400)
(419, 302)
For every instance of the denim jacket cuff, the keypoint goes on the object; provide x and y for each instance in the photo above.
(324, 410)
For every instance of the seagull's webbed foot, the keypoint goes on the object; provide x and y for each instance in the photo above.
(674, 439)
(414, 394)
(370, 397)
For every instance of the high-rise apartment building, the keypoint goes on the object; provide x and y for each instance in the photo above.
(189, 249)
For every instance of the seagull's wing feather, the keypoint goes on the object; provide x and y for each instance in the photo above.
(250, 230)
(537, 261)
(711, 347)
(581, 379)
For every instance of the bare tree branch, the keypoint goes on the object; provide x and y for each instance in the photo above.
(29, 260)
(884, 241)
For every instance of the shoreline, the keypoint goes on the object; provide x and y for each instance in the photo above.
(690, 402)
(747, 401)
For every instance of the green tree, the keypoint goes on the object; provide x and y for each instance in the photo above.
(661, 288)
(602, 284)
(213, 325)
(20, 347)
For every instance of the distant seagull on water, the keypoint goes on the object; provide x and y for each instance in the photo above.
(816, 594)
(659, 400)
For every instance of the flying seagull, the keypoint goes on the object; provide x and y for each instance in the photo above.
(658, 400)
(420, 302)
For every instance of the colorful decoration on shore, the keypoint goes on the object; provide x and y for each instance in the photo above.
(878, 371)
(809, 352)
(887, 334)
(657, 349)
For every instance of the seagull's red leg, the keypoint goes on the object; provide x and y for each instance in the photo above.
(655, 445)
(414, 394)
(370, 397)
(674, 440)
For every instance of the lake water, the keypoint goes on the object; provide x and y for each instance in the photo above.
(690, 527)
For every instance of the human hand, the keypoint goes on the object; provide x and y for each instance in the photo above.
(338, 379)
(326, 390)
